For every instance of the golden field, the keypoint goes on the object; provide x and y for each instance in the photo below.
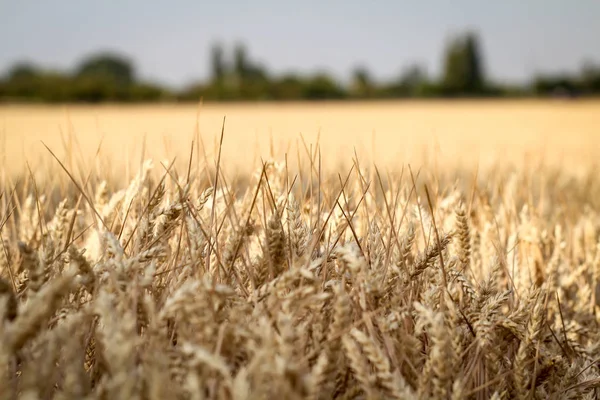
(455, 256)
(466, 133)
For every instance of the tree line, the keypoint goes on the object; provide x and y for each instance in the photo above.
(110, 77)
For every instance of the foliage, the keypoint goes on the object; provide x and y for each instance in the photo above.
(112, 77)
(463, 67)
(107, 68)
(362, 84)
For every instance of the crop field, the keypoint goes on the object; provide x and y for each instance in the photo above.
(353, 251)
(460, 134)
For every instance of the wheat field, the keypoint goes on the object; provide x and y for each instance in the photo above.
(460, 134)
(355, 251)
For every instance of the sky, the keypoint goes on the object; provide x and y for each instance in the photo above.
(169, 42)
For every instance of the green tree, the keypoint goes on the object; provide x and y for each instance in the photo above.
(590, 77)
(250, 80)
(288, 87)
(556, 86)
(362, 84)
(22, 71)
(109, 68)
(22, 82)
(240, 62)
(411, 83)
(217, 64)
(463, 66)
(323, 87)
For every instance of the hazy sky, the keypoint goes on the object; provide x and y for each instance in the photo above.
(170, 41)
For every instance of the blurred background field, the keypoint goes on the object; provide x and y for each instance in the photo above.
(443, 134)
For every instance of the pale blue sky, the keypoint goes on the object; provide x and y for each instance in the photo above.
(170, 41)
